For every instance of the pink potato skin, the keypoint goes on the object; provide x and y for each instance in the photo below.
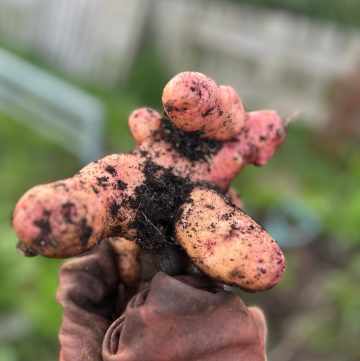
(144, 124)
(233, 196)
(194, 102)
(227, 245)
(69, 217)
(128, 256)
(264, 131)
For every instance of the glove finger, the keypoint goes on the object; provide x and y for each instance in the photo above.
(183, 318)
(88, 293)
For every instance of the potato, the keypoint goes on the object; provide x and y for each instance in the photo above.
(127, 256)
(194, 102)
(68, 217)
(264, 131)
(233, 196)
(227, 245)
(144, 125)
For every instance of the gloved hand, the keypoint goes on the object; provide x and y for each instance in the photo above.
(188, 317)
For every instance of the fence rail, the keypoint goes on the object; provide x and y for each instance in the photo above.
(272, 58)
(93, 40)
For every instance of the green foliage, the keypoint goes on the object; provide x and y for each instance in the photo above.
(148, 78)
(327, 182)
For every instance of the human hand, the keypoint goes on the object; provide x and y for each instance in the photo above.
(186, 317)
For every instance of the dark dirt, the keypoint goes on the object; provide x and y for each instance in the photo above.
(85, 236)
(86, 232)
(158, 201)
(96, 191)
(189, 144)
(111, 170)
(172, 260)
(25, 250)
(114, 208)
(45, 236)
(208, 112)
(120, 185)
(117, 231)
(66, 210)
(44, 225)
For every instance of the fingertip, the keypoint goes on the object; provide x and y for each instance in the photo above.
(260, 323)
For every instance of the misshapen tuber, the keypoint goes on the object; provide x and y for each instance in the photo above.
(194, 102)
(227, 245)
(142, 196)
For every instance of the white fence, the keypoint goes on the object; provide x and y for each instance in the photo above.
(273, 59)
(95, 40)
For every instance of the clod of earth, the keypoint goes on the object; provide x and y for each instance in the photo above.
(171, 189)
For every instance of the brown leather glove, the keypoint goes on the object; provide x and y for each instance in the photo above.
(88, 293)
(176, 318)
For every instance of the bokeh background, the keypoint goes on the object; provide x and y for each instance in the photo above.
(71, 72)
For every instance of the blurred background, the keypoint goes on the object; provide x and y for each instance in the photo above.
(71, 72)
